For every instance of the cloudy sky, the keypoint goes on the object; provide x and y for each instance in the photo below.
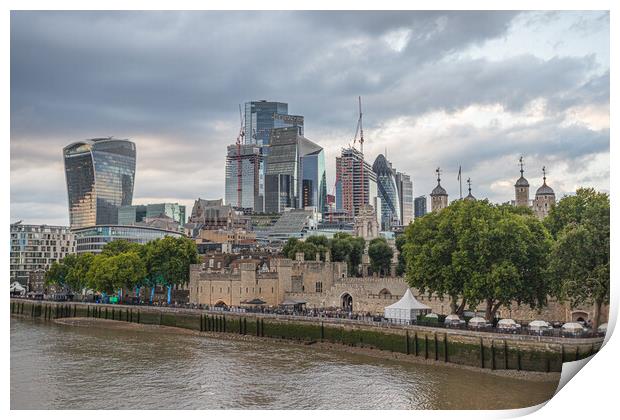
(476, 89)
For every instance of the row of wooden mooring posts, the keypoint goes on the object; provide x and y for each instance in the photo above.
(488, 353)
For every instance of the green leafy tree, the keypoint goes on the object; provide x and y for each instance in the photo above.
(77, 273)
(340, 247)
(120, 246)
(101, 275)
(380, 254)
(355, 256)
(579, 260)
(401, 240)
(167, 260)
(57, 273)
(289, 248)
(475, 252)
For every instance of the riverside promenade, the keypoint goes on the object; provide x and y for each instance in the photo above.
(486, 350)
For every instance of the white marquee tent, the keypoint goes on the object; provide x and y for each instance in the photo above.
(406, 309)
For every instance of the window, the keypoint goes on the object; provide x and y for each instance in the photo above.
(319, 287)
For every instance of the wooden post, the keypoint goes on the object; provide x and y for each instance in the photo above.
(407, 342)
(518, 358)
(415, 342)
(562, 349)
(492, 355)
(505, 355)
(436, 347)
(445, 347)
(425, 346)
(322, 331)
(481, 353)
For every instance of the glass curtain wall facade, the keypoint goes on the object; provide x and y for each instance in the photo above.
(100, 177)
(252, 164)
(388, 192)
(420, 206)
(405, 192)
(93, 239)
(295, 175)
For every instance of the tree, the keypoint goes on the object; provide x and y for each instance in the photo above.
(401, 240)
(289, 248)
(340, 247)
(101, 275)
(119, 246)
(586, 206)
(579, 260)
(380, 254)
(355, 256)
(167, 261)
(77, 272)
(479, 252)
(57, 273)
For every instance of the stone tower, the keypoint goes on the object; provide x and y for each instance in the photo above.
(439, 196)
(544, 199)
(522, 189)
(469, 196)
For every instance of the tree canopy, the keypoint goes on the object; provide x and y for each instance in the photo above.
(579, 260)
(380, 254)
(477, 252)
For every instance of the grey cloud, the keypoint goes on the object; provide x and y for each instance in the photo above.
(171, 81)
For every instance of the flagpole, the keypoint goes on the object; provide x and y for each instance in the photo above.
(460, 184)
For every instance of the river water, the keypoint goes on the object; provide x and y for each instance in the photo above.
(56, 366)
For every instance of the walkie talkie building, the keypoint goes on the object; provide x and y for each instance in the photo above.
(100, 178)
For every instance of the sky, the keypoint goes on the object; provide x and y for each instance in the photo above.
(439, 89)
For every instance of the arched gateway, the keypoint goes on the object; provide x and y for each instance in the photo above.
(346, 301)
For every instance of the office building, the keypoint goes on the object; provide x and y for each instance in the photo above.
(92, 239)
(388, 192)
(295, 173)
(263, 116)
(131, 215)
(36, 247)
(100, 178)
(356, 182)
(420, 206)
(252, 162)
(405, 194)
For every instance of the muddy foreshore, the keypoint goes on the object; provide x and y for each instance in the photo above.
(381, 354)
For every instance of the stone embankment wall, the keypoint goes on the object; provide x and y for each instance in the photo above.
(484, 350)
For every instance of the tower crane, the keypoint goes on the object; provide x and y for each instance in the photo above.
(240, 137)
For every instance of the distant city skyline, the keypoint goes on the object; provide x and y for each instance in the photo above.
(449, 89)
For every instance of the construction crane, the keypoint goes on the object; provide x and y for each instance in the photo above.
(360, 129)
(240, 137)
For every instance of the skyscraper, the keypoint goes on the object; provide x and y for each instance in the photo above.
(252, 163)
(388, 192)
(356, 182)
(405, 193)
(420, 206)
(262, 116)
(295, 172)
(100, 178)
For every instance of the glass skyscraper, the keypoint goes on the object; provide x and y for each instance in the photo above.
(100, 177)
(252, 164)
(263, 116)
(388, 192)
(420, 206)
(295, 175)
(405, 193)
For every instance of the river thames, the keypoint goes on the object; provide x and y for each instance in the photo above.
(55, 366)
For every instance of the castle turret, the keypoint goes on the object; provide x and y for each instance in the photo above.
(544, 199)
(469, 196)
(522, 189)
(439, 196)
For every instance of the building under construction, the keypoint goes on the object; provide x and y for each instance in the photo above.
(243, 192)
(356, 182)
